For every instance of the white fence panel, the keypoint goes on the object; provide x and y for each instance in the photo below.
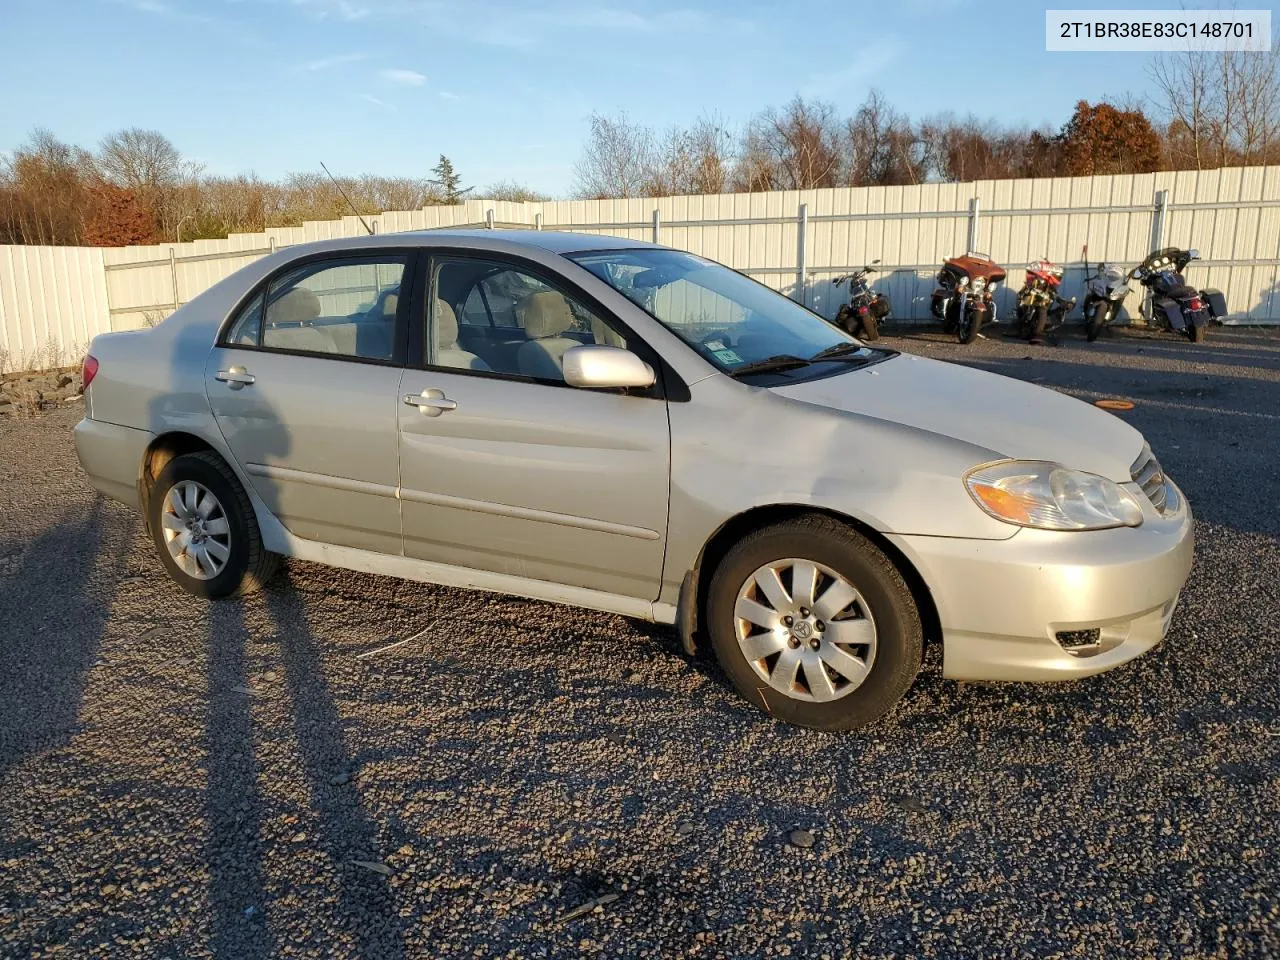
(53, 301)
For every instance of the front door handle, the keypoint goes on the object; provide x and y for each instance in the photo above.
(235, 377)
(431, 401)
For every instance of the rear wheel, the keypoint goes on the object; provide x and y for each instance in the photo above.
(204, 528)
(814, 625)
(870, 327)
(1198, 334)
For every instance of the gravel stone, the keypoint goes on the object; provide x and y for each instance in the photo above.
(509, 774)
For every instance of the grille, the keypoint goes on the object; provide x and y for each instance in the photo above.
(1147, 474)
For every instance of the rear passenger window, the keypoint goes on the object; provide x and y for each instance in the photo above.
(342, 307)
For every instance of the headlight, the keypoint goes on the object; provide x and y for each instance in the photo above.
(962, 283)
(1048, 496)
(978, 284)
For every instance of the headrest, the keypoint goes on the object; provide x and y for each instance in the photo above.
(546, 314)
(390, 304)
(446, 325)
(297, 306)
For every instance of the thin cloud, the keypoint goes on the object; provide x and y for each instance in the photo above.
(324, 63)
(370, 98)
(861, 67)
(403, 78)
(447, 95)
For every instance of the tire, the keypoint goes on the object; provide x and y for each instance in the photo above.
(970, 326)
(843, 316)
(881, 598)
(1097, 320)
(870, 327)
(1198, 334)
(1039, 320)
(247, 564)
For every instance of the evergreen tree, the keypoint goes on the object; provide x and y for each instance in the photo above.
(449, 181)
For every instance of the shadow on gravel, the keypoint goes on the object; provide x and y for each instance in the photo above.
(237, 885)
(347, 833)
(47, 649)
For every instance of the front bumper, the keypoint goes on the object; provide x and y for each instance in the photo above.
(1003, 604)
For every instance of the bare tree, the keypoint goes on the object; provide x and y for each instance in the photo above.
(795, 148)
(617, 159)
(513, 191)
(140, 160)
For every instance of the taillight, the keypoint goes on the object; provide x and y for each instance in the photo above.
(1195, 303)
(862, 311)
(90, 371)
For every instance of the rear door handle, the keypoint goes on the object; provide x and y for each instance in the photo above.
(431, 401)
(235, 377)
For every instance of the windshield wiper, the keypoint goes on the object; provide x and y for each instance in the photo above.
(838, 351)
(781, 361)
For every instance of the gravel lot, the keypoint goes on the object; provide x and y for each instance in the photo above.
(180, 779)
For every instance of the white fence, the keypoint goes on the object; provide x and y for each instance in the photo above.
(53, 300)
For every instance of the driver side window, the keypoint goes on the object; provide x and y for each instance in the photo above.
(504, 319)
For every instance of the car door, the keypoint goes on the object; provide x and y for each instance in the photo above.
(304, 387)
(507, 471)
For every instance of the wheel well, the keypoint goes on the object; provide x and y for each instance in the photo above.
(733, 530)
(161, 450)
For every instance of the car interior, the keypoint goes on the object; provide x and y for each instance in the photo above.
(492, 317)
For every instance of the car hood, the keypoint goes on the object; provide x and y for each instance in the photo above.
(1009, 417)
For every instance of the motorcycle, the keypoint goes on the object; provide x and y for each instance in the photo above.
(963, 299)
(1040, 310)
(866, 308)
(1104, 293)
(1173, 305)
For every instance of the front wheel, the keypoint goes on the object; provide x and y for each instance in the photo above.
(1097, 320)
(204, 528)
(814, 624)
(971, 325)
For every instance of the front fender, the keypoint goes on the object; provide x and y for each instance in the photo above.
(737, 448)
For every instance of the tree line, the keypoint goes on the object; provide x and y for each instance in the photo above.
(136, 187)
(1207, 110)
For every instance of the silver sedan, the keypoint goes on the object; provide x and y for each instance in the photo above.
(625, 427)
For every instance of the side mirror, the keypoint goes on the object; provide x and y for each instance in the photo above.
(1193, 254)
(597, 365)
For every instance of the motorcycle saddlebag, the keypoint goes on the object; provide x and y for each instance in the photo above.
(880, 307)
(1169, 309)
(1217, 302)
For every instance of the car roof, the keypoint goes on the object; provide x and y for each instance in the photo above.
(498, 241)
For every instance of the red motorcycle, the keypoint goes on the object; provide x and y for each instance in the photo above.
(1040, 310)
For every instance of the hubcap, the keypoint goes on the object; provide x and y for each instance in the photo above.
(805, 629)
(196, 530)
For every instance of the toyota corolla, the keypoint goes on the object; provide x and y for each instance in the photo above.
(629, 428)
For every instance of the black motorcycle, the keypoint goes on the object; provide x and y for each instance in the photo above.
(1173, 305)
(866, 308)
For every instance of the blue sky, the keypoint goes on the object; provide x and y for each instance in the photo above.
(505, 87)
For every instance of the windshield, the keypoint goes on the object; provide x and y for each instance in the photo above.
(731, 320)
